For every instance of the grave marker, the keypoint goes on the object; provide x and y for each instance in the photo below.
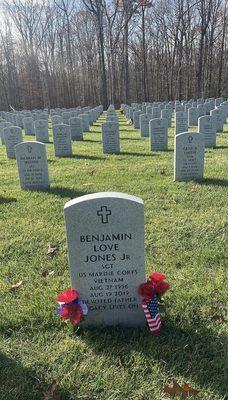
(32, 165)
(110, 137)
(62, 140)
(188, 156)
(105, 237)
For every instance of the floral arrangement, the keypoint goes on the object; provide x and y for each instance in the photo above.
(151, 291)
(72, 308)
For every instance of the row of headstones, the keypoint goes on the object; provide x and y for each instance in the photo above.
(62, 134)
(157, 130)
(188, 161)
(207, 124)
(18, 118)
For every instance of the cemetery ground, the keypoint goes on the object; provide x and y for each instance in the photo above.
(185, 238)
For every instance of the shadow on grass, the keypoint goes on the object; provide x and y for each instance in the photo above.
(23, 383)
(63, 192)
(92, 141)
(126, 130)
(85, 157)
(221, 147)
(192, 352)
(195, 354)
(7, 200)
(214, 181)
(132, 138)
(127, 153)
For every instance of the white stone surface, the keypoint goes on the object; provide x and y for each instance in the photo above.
(105, 237)
(158, 134)
(62, 140)
(110, 137)
(32, 165)
(188, 156)
(12, 136)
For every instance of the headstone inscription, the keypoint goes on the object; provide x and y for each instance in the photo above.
(12, 136)
(188, 156)
(181, 122)
(41, 131)
(207, 126)
(158, 134)
(56, 119)
(156, 112)
(136, 115)
(167, 113)
(76, 129)
(32, 165)
(144, 120)
(85, 122)
(193, 116)
(28, 126)
(62, 140)
(105, 237)
(110, 137)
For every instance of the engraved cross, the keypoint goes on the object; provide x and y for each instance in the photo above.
(104, 214)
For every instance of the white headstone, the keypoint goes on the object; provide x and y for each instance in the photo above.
(12, 136)
(56, 120)
(193, 116)
(110, 137)
(32, 165)
(85, 122)
(188, 156)
(158, 134)
(29, 126)
(105, 237)
(144, 120)
(76, 129)
(181, 122)
(62, 140)
(41, 131)
(207, 126)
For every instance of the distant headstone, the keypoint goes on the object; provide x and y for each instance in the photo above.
(193, 116)
(136, 115)
(207, 126)
(3, 125)
(62, 140)
(32, 165)
(76, 129)
(29, 126)
(158, 134)
(105, 237)
(167, 113)
(12, 136)
(110, 137)
(181, 122)
(41, 131)
(66, 117)
(188, 156)
(144, 120)
(156, 112)
(56, 120)
(85, 122)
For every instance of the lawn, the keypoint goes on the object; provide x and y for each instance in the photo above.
(186, 238)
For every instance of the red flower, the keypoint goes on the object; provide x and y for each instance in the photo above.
(67, 296)
(73, 312)
(156, 277)
(146, 290)
(161, 287)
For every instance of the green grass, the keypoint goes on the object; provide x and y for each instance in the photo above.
(186, 238)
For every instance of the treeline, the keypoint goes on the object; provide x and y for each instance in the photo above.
(85, 52)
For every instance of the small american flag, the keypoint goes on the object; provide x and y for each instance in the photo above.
(151, 312)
